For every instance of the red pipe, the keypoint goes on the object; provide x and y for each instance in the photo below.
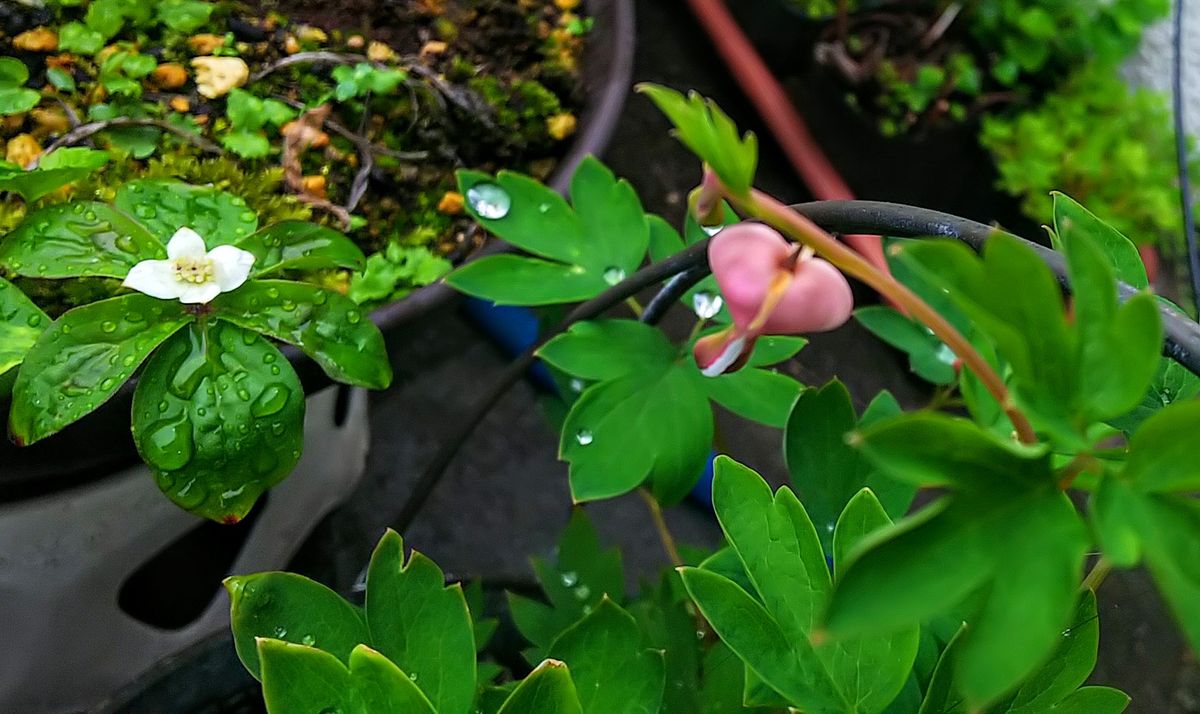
(784, 121)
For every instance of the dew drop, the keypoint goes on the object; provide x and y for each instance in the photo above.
(108, 326)
(583, 437)
(543, 208)
(34, 320)
(280, 632)
(570, 578)
(613, 275)
(248, 216)
(413, 676)
(712, 230)
(308, 640)
(489, 201)
(273, 293)
(576, 385)
(706, 305)
(169, 445)
(271, 401)
(582, 592)
(143, 210)
(107, 383)
(353, 317)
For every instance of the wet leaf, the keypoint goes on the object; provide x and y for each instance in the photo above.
(325, 325)
(290, 607)
(218, 415)
(55, 170)
(517, 280)
(165, 205)
(300, 245)
(607, 349)
(82, 359)
(21, 323)
(422, 625)
(302, 679)
(547, 690)
(71, 240)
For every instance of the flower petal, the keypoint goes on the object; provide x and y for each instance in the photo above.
(193, 293)
(722, 352)
(155, 278)
(186, 243)
(231, 266)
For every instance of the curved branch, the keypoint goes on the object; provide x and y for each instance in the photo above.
(86, 131)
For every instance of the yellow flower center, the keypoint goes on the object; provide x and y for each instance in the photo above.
(192, 270)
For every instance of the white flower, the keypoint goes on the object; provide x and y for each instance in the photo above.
(191, 274)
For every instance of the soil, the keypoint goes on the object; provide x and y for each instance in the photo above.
(485, 78)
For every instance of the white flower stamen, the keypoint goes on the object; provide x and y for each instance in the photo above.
(191, 274)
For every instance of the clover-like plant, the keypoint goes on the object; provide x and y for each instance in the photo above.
(217, 409)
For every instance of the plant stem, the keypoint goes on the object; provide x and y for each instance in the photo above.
(1097, 574)
(1076, 466)
(634, 306)
(696, 330)
(660, 525)
(762, 206)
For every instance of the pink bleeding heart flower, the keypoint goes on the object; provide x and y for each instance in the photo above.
(771, 287)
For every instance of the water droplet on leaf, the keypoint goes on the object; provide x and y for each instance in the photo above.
(613, 275)
(706, 305)
(489, 201)
(583, 437)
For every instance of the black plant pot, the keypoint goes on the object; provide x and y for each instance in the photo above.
(101, 443)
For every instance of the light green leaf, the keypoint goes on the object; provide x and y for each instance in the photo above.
(218, 415)
(928, 357)
(1159, 457)
(614, 226)
(80, 39)
(165, 205)
(15, 98)
(300, 245)
(82, 359)
(184, 15)
(55, 170)
(611, 668)
(421, 625)
(760, 395)
(1170, 531)
(290, 607)
(1070, 218)
(324, 324)
(1093, 700)
(710, 134)
(247, 143)
(304, 679)
(71, 240)
(21, 323)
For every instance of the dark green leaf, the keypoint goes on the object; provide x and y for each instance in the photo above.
(862, 516)
(61, 79)
(300, 245)
(71, 240)
(218, 415)
(84, 357)
(422, 625)
(615, 232)
(1070, 219)
(612, 670)
(516, 280)
(324, 324)
(164, 206)
(55, 170)
(1093, 700)
(297, 678)
(760, 395)
(538, 220)
(928, 356)
(290, 607)
(1170, 527)
(21, 323)
(547, 690)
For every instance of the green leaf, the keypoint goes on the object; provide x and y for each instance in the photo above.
(940, 695)
(165, 205)
(15, 98)
(825, 470)
(79, 38)
(1172, 383)
(596, 244)
(61, 79)
(653, 425)
(1093, 700)
(1159, 457)
(71, 240)
(607, 349)
(218, 415)
(615, 231)
(21, 323)
(302, 679)
(612, 670)
(580, 577)
(290, 607)
(777, 545)
(710, 134)
(324, 324)
(300, 245)
(517, 280)
(84, 357)
(1116, 509)
(247, 143)
(788, 665)
(760, 395)
(933, 560)
(184, 15)
(1070, 219)
(422, 625)
(547, 690)
(862, 516)
(1170, 528)
(55, 170)
(928, 357)
(245, 111)
(933, 449)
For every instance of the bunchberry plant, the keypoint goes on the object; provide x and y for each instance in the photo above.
(218, 410)
(1064, 451)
